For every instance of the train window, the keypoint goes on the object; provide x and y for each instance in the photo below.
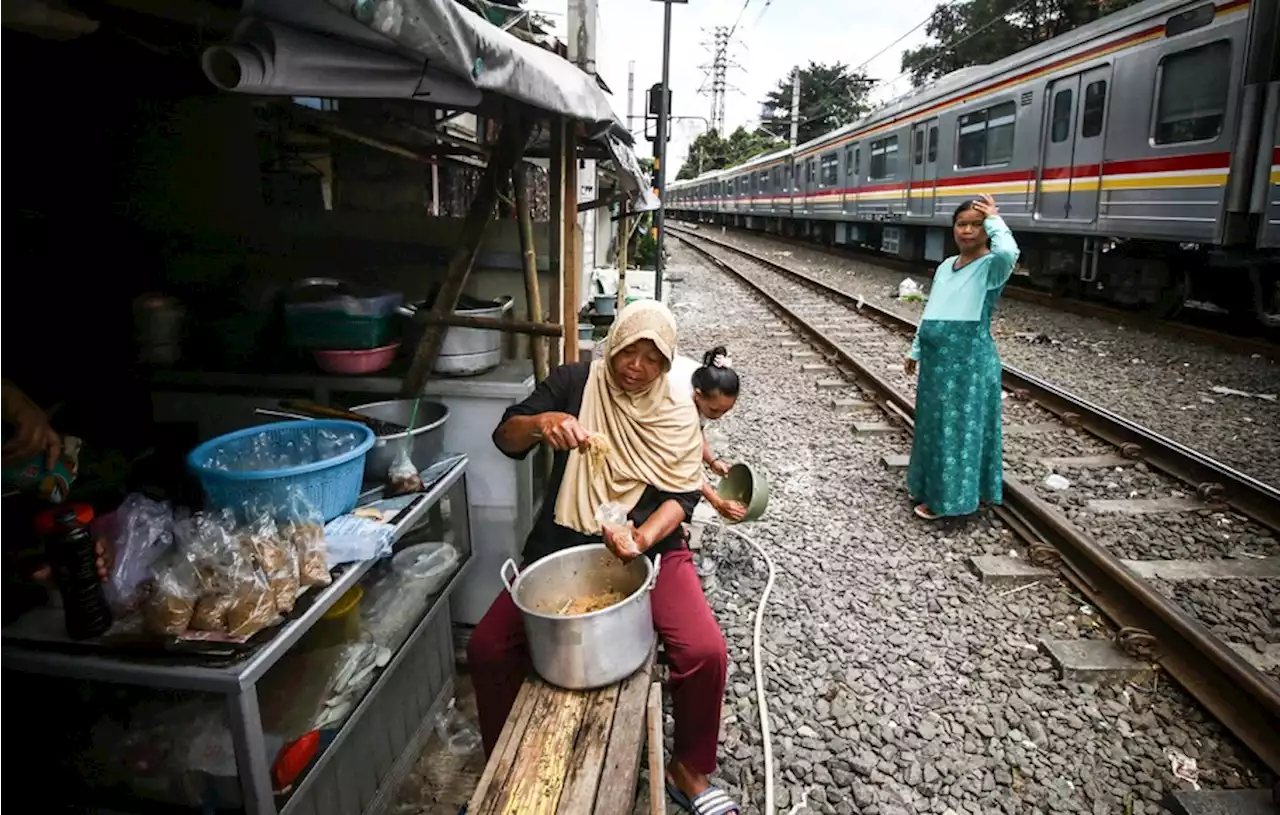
(1060, 124)
(857, 159)
(984, 137)
(917, 148)
(1191, 96)
(830, 170)
(1198, 17)
(933, 144)
(849, 169)
(1095, 105)
(884, 158)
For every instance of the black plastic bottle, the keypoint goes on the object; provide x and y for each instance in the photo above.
(73, 556)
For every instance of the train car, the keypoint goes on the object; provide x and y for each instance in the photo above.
(1135, 156)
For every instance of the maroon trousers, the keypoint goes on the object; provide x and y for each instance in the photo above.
(499, 660)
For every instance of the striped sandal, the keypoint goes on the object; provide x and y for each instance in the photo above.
(711, 801)
(922, 511)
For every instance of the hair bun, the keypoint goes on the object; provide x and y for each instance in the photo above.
(714, 357)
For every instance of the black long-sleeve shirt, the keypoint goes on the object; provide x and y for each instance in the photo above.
(562, 391)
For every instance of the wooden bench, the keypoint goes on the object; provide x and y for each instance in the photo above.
(574, 752)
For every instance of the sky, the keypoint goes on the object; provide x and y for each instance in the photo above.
(768, 41)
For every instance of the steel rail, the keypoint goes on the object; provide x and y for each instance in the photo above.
(1214, 480)
(1240, 343)
(1236, 693)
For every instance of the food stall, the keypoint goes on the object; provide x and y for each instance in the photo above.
(341, 686)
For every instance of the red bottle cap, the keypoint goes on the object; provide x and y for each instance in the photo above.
(48, 523)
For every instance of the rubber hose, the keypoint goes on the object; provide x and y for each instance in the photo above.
(761, 701)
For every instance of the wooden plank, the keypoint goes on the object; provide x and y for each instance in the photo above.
(657, 764)
(538, 329)
(1148, 506)
(499, 766)
(617, 792)
(587, 763)
(572, 272)
(545, 752)
(511, 144)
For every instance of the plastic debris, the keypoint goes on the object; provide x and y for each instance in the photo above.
(1223, 390)
(909, 289)
(1056, 482)
(459, 737)
(1184, 767)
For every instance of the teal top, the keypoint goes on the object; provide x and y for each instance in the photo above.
(961, 294)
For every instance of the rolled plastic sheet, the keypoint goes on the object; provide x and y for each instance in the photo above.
(275, 59)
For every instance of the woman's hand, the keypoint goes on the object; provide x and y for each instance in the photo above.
(33, 433)
(105, 553)
(733, 510)
(626, 542)
(561, 430)
(909, 366)
(987, 206)
(720, 467)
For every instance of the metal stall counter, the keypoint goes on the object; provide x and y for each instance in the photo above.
(363, 696)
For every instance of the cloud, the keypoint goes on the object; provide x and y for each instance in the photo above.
(790, 32)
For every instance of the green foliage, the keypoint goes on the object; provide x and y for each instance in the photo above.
(979, 32)
(830, 96)
(709, 151)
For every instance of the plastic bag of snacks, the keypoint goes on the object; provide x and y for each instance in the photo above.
(303, 526)
(262, 541)
(171, 605)
(252, 604)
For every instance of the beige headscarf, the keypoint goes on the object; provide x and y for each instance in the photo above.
(654, 437)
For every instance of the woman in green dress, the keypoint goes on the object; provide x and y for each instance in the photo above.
(955, 455)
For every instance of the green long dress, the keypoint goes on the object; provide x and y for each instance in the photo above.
(956, 459)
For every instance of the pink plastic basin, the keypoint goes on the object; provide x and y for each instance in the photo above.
(356, 362)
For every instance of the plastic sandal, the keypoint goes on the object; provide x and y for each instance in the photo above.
(711, 801)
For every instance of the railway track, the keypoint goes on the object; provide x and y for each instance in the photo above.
(861, 347)
(1227, 340)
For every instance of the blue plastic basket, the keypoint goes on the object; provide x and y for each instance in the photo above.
(332, 485)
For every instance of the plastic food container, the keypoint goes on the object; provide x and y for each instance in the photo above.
(356, 362)
(430, 563)
(339, 625)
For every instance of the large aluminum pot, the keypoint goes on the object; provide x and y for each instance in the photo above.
(467, 351)
(587, 650)
(428, 434)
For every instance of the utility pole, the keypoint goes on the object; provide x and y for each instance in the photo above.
(660, 145)
(631, 95)
(795, 105)
(719, 68)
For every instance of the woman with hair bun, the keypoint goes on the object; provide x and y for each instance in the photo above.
(713, 389)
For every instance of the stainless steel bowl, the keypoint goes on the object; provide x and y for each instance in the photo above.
(428, 435)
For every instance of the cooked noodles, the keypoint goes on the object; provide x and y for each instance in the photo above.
(597, 449)
(592, 602)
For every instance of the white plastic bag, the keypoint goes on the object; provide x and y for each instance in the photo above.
(613, 516)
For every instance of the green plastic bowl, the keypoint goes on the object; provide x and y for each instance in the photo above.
(746, 486)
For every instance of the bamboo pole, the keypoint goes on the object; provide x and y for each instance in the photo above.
(532, 292)
(531, 327)
(511, 144)
(623, 240)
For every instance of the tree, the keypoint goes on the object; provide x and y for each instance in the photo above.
(979, 32)
(709, 151)
(830, 96)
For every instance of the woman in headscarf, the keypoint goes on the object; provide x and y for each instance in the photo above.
(654, 469)
(955, 454)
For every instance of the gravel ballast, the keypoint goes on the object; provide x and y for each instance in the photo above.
(897, 682)
(1161, 382)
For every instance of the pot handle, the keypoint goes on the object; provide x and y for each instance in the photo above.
(515, 572)
(507, 302)
(657, 567)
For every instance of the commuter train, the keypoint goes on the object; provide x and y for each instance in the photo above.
(1137, 159)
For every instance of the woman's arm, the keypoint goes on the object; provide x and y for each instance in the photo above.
(541, 417)
(664, 520)
(708, 457)
(1004, 251)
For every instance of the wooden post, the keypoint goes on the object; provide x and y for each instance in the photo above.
(623, 240)
(511, 145)
(532, 292)
(657, 765)
(572, 272)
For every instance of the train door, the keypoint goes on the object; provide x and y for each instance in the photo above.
(852, 158)
(924, 168)
(1074, 127)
